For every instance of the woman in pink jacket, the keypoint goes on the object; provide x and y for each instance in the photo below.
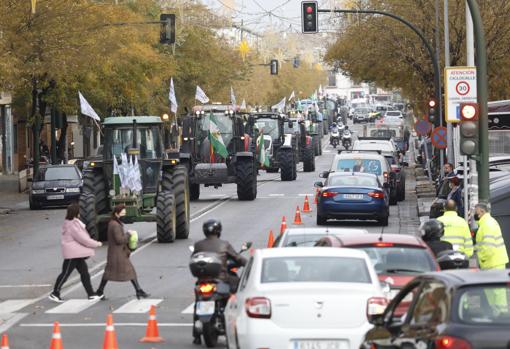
(77, 246)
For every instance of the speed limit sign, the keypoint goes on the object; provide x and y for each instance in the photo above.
(460, 88)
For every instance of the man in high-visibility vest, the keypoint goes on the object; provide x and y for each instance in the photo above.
(491, 251)
(456, 229)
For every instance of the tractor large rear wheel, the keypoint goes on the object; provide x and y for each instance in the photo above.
(181, 195)
(165, 217)
(246, 180)
(286, 159)
(308, 159)
(94, 183)
(88, 214)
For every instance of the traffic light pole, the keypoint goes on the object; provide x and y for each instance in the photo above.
(431, 52)
(482, 88)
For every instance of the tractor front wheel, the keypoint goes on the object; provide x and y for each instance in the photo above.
(246, 179)
(194, 191)
(180, 187)
(286, 164)
(166, 217)
(308, 158)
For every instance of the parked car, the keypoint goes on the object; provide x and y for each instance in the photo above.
(353, 195)
(397, 258)
(397, 167)
(55, 185)
(461, 309)
(303, 298)
(307, 237)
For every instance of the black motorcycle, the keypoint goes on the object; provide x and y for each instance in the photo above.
(346, 140)
(211, 294)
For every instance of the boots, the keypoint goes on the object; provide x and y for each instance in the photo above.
(139, 292)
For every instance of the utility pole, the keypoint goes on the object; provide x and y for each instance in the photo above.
(440, 100)
(451, 155)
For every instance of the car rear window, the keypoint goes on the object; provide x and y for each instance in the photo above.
(315, 269)
(57, 173)
(302, 240)
(352, 181)
(360, 165)
(383, 133)
(485, 305)
(399, 259)
(382, 146)
(393, 113)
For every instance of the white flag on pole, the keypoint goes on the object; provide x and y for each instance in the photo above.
(243, 105)
(138, 176)
(201, 96)
(281, 105)
(171, 97)
(86, 109)
(292, 96)
(320, 90)
(232, 96)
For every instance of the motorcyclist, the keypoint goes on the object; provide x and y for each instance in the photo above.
(432, 231)
(213, 243)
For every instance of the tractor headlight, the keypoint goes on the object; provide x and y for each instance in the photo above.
(112, 192)
(72, 190)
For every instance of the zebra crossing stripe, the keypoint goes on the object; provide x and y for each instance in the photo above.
(72, 306)
(137, 306)
(13, 305)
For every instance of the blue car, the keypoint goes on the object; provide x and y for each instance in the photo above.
(353, 195)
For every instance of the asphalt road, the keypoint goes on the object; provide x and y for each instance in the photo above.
(31, 261)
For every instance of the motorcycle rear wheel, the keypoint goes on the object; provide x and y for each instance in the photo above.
(210, 333)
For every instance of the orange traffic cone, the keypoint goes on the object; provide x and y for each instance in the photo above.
(5, 342)
(270, 239)
(110, 338)
(152, 332)
(283, 227)
(306, 206)
(297, 217)
(56, 338)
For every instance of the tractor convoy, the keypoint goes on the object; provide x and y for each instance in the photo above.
(147, 166)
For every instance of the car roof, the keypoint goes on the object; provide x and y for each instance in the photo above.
(325, 230)
(350, 174)
(359, 155)
(54, 166)
(368, 239)
(310, 252)
(470, 277)
(128, 120)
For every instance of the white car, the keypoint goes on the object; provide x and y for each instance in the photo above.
(307, 237)
(303, 298)
(369, 143)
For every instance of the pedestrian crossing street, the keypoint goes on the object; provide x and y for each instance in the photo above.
(76, 306)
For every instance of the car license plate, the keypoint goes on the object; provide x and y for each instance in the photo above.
(353, 196)
(320, 344)
(55, 197)
(205, 308)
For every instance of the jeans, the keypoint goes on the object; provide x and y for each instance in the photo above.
(67, 268)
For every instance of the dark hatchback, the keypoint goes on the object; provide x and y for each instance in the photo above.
(461, 309)
(55, 185)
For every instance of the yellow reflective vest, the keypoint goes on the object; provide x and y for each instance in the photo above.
(490, 246)
(457, 233)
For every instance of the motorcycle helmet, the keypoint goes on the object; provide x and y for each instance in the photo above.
(346, 127)
(432, 230)
(212, 227)
(334, 124)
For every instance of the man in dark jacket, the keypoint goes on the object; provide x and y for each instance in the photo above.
(213, 243)
(432, 231)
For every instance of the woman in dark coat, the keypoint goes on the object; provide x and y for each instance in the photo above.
(118, 266)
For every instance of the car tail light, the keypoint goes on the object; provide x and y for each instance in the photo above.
(448, 342)
(376, 195)
(376, 305)
(206, 289)
(258, 307)
(383, 244)
(328, 194)
(385, 174)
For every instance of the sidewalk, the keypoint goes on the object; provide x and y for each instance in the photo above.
(10, 202)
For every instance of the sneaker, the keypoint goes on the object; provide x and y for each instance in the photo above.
(56, 298)
(96, 297)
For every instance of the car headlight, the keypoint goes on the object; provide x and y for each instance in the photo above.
(72, 190)
(38, 191)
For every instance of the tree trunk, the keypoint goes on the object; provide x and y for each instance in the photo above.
(61, 143)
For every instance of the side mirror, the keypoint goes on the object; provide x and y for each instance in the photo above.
(324, 174)
(318, 184)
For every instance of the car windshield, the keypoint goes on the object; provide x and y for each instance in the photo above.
(57, 173)
(393, 113)
(148, 141)
(398, 259)
(302, 240)
(352, 181)
(382, 146)
(268, 126)
(360, 165)
(485, 305)
(362, 111)
(315, 269)
(383, 133)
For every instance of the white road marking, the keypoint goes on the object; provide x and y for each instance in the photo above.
(116, 324)
(189, 309)
(12, 306)
(26, 286)
(305, 194)
(72, 306)
(276, 195)
(8, 320)
(137, 306)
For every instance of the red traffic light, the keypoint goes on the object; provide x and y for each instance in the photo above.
(469, 111)
(309, 9)
(432, 103)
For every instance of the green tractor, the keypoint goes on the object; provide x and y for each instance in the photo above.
(158, 182)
